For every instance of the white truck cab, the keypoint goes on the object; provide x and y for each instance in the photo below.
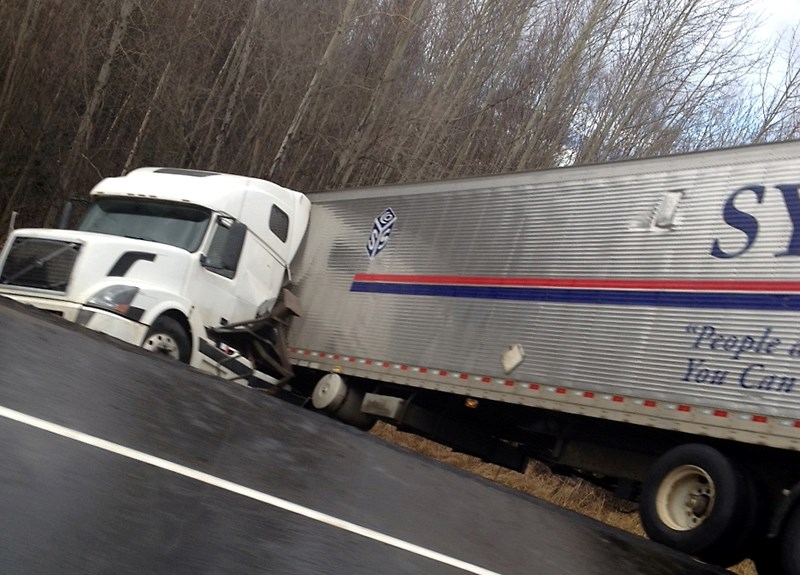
(161, 256)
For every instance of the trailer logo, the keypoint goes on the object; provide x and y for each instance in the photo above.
(381, 231)
(747, 222)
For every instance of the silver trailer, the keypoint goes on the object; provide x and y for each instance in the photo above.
(633, 323)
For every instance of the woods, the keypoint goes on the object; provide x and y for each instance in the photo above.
(339, 93)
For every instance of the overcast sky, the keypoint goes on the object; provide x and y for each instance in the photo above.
(777, 14)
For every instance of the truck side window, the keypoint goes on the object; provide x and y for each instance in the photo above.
(279, 223)
(213, 260)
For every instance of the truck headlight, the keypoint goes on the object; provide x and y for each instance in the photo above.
(117, 299)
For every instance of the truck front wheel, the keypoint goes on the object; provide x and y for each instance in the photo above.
(698, 501)
(168, 337)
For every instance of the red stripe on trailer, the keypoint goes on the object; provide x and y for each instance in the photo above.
(720, 413)
(588, 394)
(618, 399)
(649, 403)
(684, 408)
(588, 283)
(760, 418)
(561, 391)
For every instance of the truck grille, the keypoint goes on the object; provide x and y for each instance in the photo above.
(39, 263)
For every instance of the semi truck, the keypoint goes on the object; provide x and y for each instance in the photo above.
(633, 324)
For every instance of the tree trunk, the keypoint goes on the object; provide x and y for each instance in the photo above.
(143, 126)
(85, 128)
(312, 88)
(363, 136)
(15, 68)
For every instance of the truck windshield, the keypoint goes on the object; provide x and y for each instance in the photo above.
(178, 225)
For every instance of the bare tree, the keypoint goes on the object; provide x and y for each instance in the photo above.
(314, 84)
(83, 134)
(780, 103)
(355, 92)
(375, 111)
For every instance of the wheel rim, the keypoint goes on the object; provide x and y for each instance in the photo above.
(164, 344)
(685, 498)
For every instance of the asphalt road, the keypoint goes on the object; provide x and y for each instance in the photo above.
(113, 461)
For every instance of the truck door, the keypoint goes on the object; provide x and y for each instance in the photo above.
(212, 284)
(262, 268)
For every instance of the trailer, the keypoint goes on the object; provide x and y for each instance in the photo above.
(633, 323)
(630, 323)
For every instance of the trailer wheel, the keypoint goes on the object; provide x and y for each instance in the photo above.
(167, 337)
(698, 501)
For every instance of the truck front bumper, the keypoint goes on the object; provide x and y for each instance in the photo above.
(96, 319)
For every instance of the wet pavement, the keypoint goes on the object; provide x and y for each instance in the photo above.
(114, 461)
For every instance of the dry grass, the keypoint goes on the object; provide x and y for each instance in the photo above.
(569, 493)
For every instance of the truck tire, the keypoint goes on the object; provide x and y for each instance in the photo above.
(698, 501)
(168, 337)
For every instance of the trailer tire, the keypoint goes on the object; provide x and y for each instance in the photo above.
(698, 501)
(168, 337)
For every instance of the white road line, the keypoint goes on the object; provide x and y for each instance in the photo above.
(239, 489)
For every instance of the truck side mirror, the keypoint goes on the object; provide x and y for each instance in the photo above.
(233, 246)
